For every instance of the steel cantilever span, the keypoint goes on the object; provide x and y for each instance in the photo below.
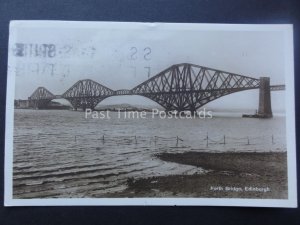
(181, 87)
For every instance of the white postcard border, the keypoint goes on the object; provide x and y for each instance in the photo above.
(290, 126)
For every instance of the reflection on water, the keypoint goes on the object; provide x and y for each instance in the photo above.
(62, 154)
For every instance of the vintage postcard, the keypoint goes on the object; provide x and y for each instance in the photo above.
(113, 113)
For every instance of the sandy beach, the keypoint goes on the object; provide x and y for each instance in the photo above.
(228, 175)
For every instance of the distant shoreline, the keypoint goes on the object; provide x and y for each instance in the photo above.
(149, 109)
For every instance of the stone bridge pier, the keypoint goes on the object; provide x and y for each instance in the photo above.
(264, 107)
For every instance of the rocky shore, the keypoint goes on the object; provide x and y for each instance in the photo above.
(228, 175)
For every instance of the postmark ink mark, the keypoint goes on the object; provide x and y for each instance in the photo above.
(34, 50)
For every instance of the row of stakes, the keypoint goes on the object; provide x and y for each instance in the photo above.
(224, 140)
(179, 139)
(135, 138)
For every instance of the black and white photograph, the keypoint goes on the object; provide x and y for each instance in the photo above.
(119, 113)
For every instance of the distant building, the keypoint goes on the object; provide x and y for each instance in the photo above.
(22, 104)
(27, 104)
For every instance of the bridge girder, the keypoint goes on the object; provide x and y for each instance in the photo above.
(40, 98)
(180, 87)
(41, 93)
(277, 87)
(188, 87)
(87, 94)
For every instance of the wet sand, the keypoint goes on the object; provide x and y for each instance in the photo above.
(228, 175)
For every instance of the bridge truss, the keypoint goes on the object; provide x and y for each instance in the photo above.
(188, 87)
(87, 94)
(181, 87)
(40, 98)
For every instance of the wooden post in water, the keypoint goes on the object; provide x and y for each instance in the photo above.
(224, 140)
(273, 140)
(177, 142)
(248, 141)
(207, 139)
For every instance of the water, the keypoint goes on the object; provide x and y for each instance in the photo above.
(61, 154)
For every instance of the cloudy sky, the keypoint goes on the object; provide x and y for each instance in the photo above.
(122, 55)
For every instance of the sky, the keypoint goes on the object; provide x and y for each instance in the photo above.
(123, 55)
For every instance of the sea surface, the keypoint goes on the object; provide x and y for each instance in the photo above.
(63, 154)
